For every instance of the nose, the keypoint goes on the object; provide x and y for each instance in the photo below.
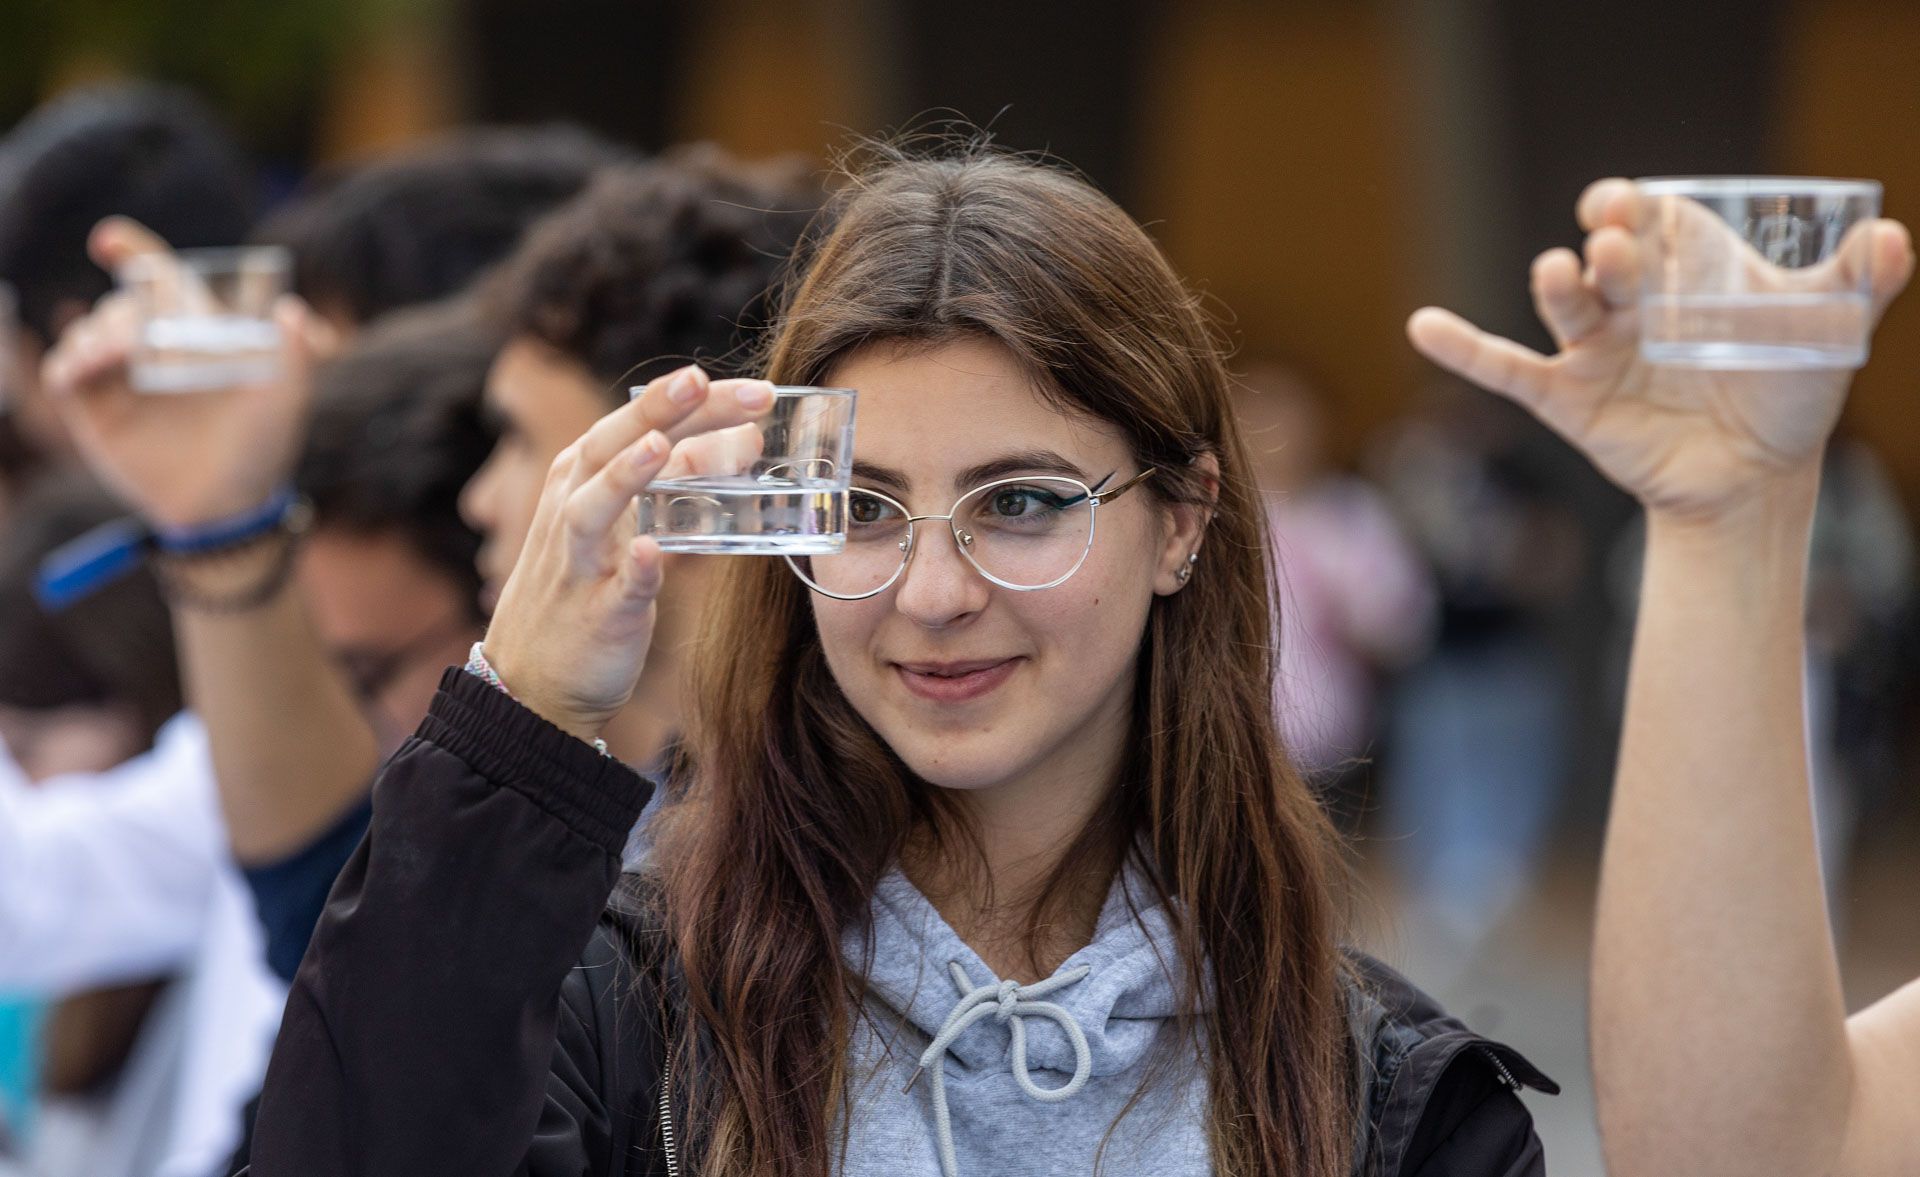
(939, 587)
(477, 497)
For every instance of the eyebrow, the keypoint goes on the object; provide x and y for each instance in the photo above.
(1024, 462)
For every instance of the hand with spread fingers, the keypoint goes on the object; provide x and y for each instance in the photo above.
(1687, 442)
(179, 459)
(571, 631)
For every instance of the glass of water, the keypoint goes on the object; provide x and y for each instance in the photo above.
(1742, 272)
(788, 500)
(206, 317)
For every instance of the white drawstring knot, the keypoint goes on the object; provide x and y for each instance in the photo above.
(1011, 1003)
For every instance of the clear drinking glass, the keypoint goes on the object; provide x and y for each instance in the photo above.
(1741, 272)
(206, 317)
(790, 500)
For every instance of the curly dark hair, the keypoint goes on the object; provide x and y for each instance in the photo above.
(418, 225)
(397, 432)
(153, 153)
(658, 264)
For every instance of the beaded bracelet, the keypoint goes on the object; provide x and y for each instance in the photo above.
(479, 667)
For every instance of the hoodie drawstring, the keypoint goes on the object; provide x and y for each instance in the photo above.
(1012, 1003)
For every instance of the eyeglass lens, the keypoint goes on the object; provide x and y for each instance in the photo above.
(1027, 533)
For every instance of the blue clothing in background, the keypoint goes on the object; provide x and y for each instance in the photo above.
(290, 894)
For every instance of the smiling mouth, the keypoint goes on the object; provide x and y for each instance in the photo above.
(955, 682)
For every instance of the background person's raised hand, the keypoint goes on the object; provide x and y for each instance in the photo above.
(572, 628)
(179, 459)
(1686, 442)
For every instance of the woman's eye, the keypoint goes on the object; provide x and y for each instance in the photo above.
(1016, 502)
(865, 509)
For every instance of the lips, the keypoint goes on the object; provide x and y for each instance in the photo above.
(955, 682)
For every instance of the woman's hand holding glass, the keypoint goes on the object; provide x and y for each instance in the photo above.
(575, 619)
(1688, 443)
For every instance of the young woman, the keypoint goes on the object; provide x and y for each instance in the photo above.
(984, 856)
(1721, 1042)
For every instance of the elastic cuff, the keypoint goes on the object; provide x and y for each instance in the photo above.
(597, 796)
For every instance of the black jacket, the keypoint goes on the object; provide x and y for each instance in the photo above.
(471, 1004)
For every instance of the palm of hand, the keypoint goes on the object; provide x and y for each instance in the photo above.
(1686, 441)
(178, 458)
(1682, 440)
(188, 458)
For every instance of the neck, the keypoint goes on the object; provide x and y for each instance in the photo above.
(1027, 826)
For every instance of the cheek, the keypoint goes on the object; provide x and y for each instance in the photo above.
(519, 487)
(846, 630)
(412, 693)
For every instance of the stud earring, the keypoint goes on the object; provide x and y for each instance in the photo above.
(1186, 573)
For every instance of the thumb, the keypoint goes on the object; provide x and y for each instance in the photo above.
(303, 340)
(118, 240)
(1892, 263)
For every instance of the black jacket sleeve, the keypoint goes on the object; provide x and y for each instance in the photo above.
(1475, 1126)
(449, 1016)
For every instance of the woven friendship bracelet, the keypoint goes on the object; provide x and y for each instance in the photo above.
(479, 667)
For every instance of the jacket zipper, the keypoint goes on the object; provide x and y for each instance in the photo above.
(1500, 1068)
(666, 1117)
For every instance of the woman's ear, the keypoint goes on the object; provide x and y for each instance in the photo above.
(1180, 559)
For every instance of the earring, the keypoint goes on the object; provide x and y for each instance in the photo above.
(1186, 573)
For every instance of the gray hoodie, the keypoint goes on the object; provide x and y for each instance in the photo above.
(1087, 1035)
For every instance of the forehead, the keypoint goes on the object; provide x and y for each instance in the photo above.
(533, 385)
(933, 414)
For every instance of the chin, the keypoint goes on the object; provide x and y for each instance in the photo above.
(962, 764)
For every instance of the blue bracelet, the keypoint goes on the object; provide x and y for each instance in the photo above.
(231, 531)
(83, 566)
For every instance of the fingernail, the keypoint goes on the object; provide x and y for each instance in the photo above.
(684, 388)
(757, 395)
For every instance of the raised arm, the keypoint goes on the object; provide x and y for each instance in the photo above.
(444, 1019)
(290, 747)
(1720, 1042)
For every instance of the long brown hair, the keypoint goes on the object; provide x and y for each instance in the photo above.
(796, 807)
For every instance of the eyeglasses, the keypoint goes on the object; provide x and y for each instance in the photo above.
(1024, 534)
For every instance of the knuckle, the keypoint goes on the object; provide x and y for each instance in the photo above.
(574, 514)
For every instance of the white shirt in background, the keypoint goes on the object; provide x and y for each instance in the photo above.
(122, 875)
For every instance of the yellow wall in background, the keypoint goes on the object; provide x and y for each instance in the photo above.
(1276, 178)
(765, 79)
(1850, 101)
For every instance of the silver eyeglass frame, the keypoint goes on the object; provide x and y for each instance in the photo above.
(964, 542)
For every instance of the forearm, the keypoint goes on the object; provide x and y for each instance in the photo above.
(290, 746)
(426, 1030)
(1718, 1022)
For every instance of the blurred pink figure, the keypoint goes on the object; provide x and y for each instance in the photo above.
(1356, 599)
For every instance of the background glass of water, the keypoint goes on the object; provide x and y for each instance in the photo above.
(206, 317)
(790, 500)
(1741, 272)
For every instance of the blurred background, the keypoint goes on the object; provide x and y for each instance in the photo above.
(1460, 583)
